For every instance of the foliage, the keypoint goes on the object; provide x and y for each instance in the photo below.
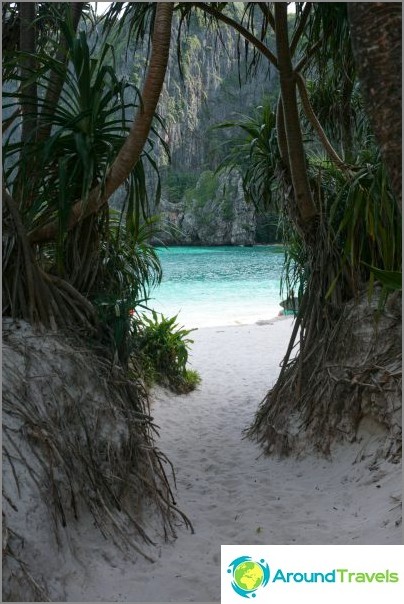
(72, 144)
(176, 183)
(163, 347)
(129, 267)
(254, 152)
(204, 191)
(358, 205)
(391, 280)
(366, 219)
(89, 125)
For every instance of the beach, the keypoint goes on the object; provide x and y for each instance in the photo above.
(202, 301)
(231, 492)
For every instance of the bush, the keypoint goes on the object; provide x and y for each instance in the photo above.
(163, 351)
(204, 191)
(176, 183)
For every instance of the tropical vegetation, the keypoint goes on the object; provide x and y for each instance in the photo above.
(325, 155)
(162, 347)
(74, 132)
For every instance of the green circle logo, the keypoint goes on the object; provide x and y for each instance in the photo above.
(248, 575)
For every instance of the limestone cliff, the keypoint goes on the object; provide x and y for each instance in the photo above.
(204, 208)
(209, 88)
(213, 213)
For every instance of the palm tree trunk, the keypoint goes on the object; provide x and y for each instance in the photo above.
(133, 146)
(377, 47)
(29, 107)
(281, 134)
(297, 162)
(137, 137)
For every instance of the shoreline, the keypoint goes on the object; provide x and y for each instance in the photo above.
(192, 325)
(231, 245)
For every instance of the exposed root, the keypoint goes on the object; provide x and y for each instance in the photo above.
(30, 293)
(20, 581)
(78, 434)
(348, 374)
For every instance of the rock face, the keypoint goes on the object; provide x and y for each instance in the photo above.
(206, 209)
(215, 212)
(210, 88)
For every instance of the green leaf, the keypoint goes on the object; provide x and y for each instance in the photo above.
(390, 279)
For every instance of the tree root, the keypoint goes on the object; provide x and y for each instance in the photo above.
(82, 441)
(344, 373)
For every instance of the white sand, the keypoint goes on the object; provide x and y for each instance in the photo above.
(230, 492)
(233, 497)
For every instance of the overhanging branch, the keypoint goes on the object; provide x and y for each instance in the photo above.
(300, 28)
(242, 30)
(132, 148)
(311, 116)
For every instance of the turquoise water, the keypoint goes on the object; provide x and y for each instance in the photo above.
(210, 286)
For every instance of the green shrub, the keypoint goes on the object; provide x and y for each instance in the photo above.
(163, 351)
(204, 190)
(176, 183)
(191, 380)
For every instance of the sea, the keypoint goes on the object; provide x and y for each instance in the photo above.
(214, 286)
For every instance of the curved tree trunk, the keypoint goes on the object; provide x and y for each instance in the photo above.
(376, 42)
(297, 161)
(133, 145)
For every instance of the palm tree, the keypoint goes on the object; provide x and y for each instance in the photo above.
(70, 262)
(84, 152)
(320, 34)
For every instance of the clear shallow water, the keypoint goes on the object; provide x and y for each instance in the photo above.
(210, 286)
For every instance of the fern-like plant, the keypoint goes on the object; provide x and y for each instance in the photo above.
(164, 348)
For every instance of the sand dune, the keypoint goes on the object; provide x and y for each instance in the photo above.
(231, 493)
(234, 495)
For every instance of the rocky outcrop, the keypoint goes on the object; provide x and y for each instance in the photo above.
(211, 210)
(215, 212)
(196, 207)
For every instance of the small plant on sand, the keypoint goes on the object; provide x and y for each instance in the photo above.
(163, 350)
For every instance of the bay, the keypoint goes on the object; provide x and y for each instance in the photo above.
(213, 286)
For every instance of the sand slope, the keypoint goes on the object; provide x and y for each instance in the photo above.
(231, 494)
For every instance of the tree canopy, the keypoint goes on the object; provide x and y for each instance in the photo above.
(75, 132)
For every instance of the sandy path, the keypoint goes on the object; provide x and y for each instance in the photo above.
(233, 497)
